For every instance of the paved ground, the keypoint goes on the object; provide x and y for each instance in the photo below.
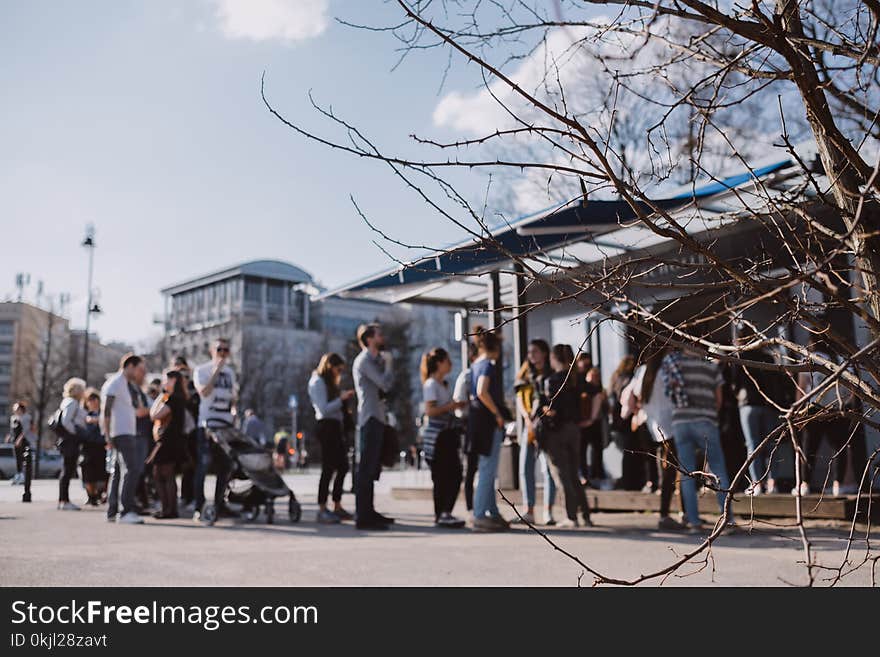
(45, 547)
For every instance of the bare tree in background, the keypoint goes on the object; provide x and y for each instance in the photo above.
(652, 93)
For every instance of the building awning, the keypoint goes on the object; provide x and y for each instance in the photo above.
(578, 232)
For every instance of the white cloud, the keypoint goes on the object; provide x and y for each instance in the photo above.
(266, 20)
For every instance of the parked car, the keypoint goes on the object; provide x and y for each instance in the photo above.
(50, 462)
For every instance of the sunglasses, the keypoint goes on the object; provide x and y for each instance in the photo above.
(222, 350)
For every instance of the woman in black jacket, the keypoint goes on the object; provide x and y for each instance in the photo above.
(93, 447)
(560, 435)
(169, 431)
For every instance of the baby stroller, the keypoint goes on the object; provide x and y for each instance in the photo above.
(253, 480)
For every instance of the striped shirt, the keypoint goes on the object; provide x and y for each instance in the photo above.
(691, 382)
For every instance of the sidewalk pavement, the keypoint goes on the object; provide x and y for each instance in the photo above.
(46, 547)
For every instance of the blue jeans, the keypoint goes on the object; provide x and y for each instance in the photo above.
(485, 500)
(128, 465)
(369, 466)
(690, 437)
(529, 454)
(757, 423)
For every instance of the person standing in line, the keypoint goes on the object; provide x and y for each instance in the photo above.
(461, 393)
(757, 391)
(486, 420)
(169, 414)
(328, 399)
(215, 383)
(826, 418)
(440, 438)
(144, 433)
(694, 384)
(593, 406)
(646, 389)
(73, 421)
(561, 439)
(94, 449)
(189, 455)
(119, 428)
(621, 431)
(529, 386)
(19, 426)
(373, 378)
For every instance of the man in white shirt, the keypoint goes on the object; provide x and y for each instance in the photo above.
(215, 383)
(119, 426)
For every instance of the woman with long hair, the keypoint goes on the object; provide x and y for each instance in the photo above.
(168, 413)
(486, 419)
(440, 438)
(328, 399)
(529, 385)
(561, 439)
(93, 449)
(621, 430)
(651, 399)
(73, 422)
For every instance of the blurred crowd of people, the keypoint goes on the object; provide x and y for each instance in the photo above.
(679, 420)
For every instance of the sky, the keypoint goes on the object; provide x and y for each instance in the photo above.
(145, 119)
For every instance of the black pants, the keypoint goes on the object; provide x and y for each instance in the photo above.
(838, 432)
(592, 441)
(445, 472)
(667, 460)
(473, 460)
(334, 459)
(19, 455)
(68, 472)
(370, 465)
(187, 478)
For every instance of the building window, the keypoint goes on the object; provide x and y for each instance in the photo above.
(253, 291)
(4, 390)
(275, 293)
(7, 327)
(5, 348)
(5, 369)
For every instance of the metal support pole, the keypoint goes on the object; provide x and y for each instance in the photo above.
(28, 473)
(89, 243)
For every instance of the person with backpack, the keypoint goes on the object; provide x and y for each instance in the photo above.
(69, 427)
(440, 437)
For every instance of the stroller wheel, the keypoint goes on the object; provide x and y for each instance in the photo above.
(252, 514)
(294, 509)
(209, 515)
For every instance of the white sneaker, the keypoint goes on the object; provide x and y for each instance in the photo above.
(131, 518)
(835, 488)
(805, 489)
(526, 518)
(568, 523)
(754, 490)
(67, 506)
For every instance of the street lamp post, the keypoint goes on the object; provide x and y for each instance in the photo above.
(89, 243)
